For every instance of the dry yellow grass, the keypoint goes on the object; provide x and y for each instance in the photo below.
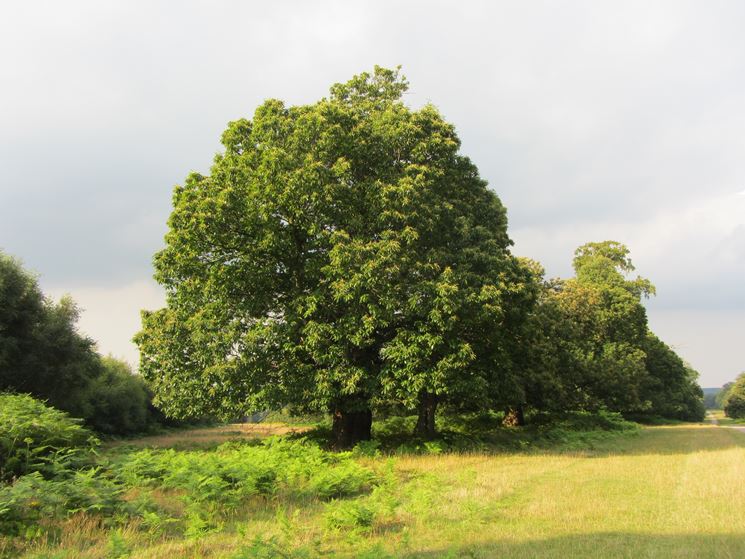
(207, 436)
(674, 491)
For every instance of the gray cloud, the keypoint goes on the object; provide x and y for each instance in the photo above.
(591, 121)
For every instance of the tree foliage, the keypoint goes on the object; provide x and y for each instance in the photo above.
(600, 323)
(589, 345)
(722, 394)
(43, 354)
(734, 399)
(339, 253)
(670, 388)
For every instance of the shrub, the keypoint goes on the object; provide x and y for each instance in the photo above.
(32, 498)
(734, 401)
(369, 510)
(235, 471)
(118, 400)
(37, 438)
(349, 515)
(735, 406)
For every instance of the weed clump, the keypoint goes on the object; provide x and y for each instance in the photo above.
(236, 471)
(211, 485)
(37, 438)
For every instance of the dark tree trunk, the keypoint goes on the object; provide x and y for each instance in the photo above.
(425, 425)
(350, 427)
(514, 416)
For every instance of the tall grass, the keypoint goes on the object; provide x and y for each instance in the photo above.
(579, 486)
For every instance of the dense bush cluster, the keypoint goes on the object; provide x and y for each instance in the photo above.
(213, 482)
(236, 471)
(42, 354)
(47, 464)
(733, 398)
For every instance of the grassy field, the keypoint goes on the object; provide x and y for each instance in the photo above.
(668, 491)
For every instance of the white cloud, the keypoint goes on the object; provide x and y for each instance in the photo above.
(111, 316)
(688, 246)
(711, 341)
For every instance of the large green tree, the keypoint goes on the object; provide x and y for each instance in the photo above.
(547, 351)
(608, 327)
(339, 254)
(588, 344)
(670, 388)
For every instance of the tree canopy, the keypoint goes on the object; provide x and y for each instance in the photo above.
(734, 398)
(587, 344)
(344, 254)
(43, 354)
(339, 253)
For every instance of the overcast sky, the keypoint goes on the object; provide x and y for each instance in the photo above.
(591, 120)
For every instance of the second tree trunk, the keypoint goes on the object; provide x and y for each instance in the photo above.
(425, 425)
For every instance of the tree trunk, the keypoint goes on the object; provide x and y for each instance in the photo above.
(350, 427)
(425, 425)
(514, 416)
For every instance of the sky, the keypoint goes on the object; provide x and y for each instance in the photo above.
(590, 120)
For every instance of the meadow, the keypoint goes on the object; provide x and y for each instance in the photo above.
(583, 487)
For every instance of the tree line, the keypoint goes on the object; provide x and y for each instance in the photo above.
(345, 257)
(731, 398)
(43, 354)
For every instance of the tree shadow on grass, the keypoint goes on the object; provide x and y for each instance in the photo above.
(604, 545)
(649, 441)
(678, 439)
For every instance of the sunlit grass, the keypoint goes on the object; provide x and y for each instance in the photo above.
(672, 491)
(210, 436)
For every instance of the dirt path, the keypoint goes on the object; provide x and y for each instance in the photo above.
(715, 421)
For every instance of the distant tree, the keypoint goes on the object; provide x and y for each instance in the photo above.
(339, 254)
(710, 399)
(734, 401)
(119, 400)
(545, 351)
(722, 394)
(586, 344)
(609, 326)
(41, 352)
(670, 386)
